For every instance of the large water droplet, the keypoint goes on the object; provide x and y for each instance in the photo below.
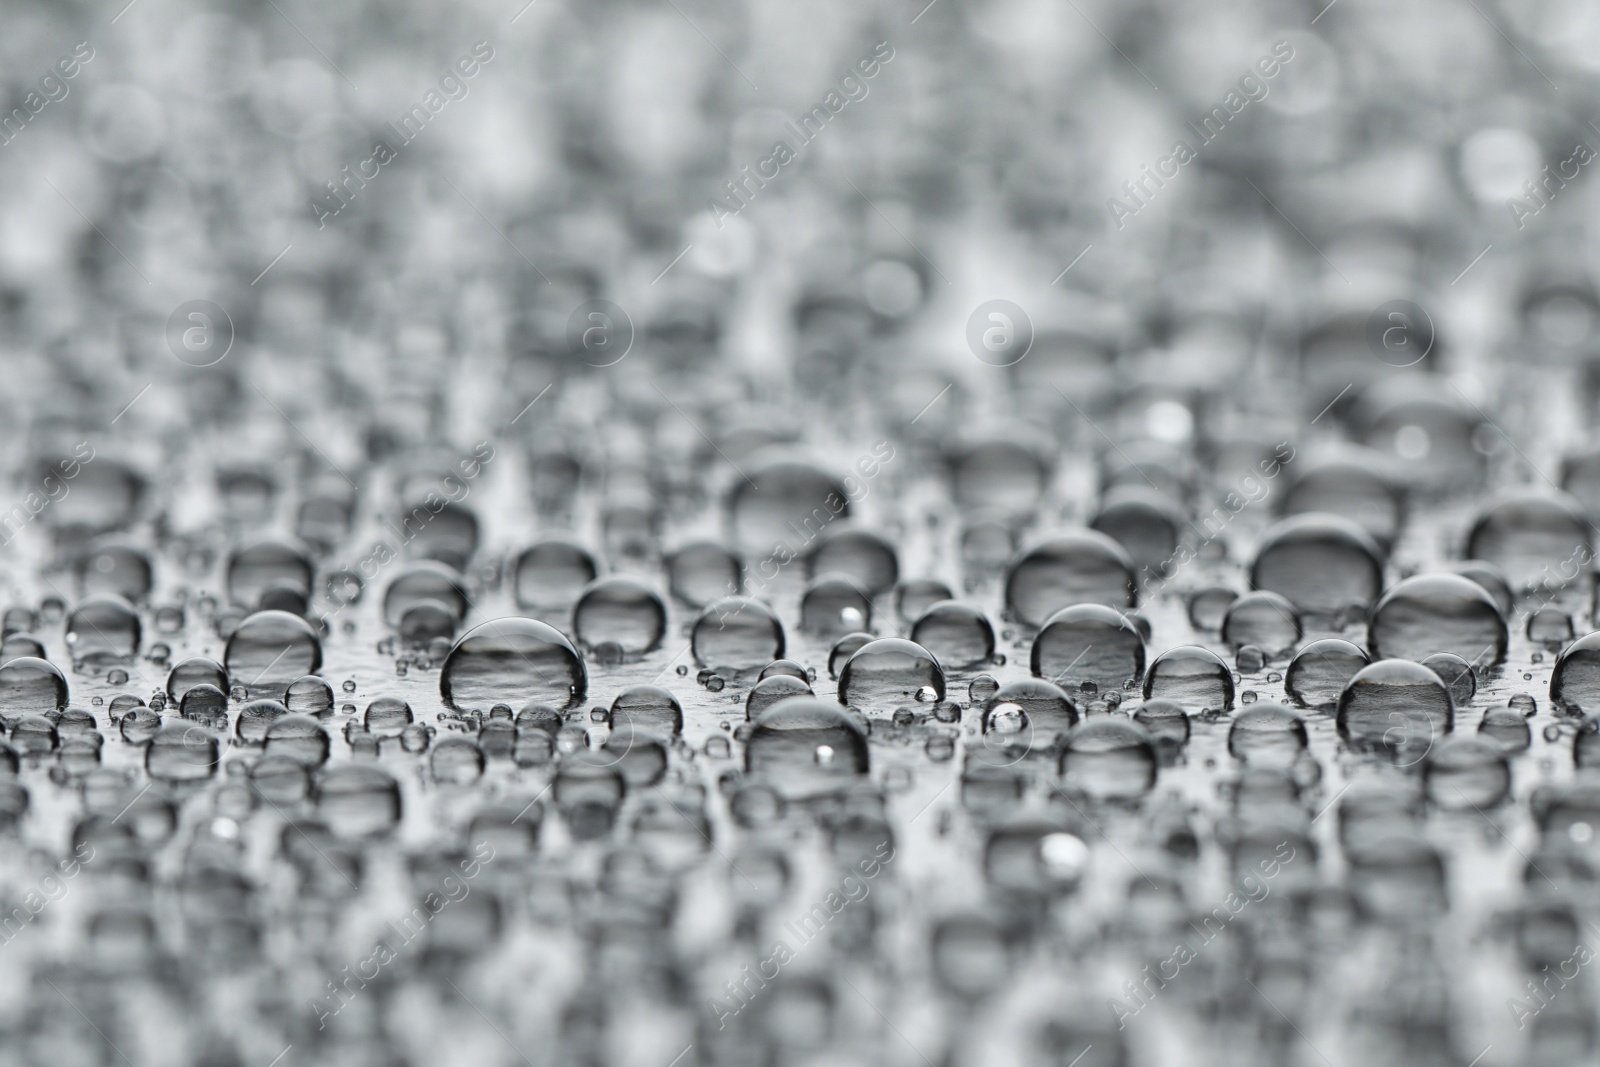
(512, 661)
(1539, 538)
(1322, 564)
(270, 650)
(1396, 707)
(115, 570)
(551, 574)
(1321, 670)
(1263, 619)
(648, 707)
(768, 691)
(1089, 643)
(103, 631)
(804, 744)
(357, 800)
(834, 605)
(267, 565)
(737, 634)
(1271, 735)
(783, 503)
(424, 581)
(885, 673)
(1070, 568)
(960, 635)
(863, 557)
(30, 686)
(620, 610)
(1467, 774)
(1437, 613)
(702, 571)
(180, 754)
(1193, 676)
(300, 738)
(1109, 758)
(1575, 680)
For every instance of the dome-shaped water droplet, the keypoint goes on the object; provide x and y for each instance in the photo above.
(772, 689)
(1167, 723)
(783, 503)
(181, 753)
(863, 557)
(1109, 758)
(309, 696)
(263, 566)
(1089, 643)
(424, 581)
(512, 661)
(1321, 670)
(298, 737)
(620, 610)
(1071, 568)
(357, 800)
(115, 570)
(1144, 522)
(958, 634)
(1272, 735)
(551, 574)
(387, 716)
(888, 672)
(206, 705)
(786, 741)
(702, 571)
(1537, 537)
(103, 631)
(1457, 676)
(456, 761)
(1492, 578)
(1046, 708)
(1322, 564)
(1575, 680)
(650, 708)
(1437, 613)
(1263, 619)
(834, 605)
(1467, 774)
(737, 634)
(192, 672)
(1396, 707)
(1193, 676)
(255, 718)
(270, 650)
(1353, 482)
(30, 686)
(1506, 727)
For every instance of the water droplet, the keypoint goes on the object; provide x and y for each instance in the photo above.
(834, 605)
(1072, 568)
(982, 688)
(510, 661)
(357, 800)
(255, 718)
(886, 672)
(865, 558)
(702, 571)
(102, 631)
(1506, 727)
(785, 666)
(1089, 643)
(1273, 735)
(1467, 774)
(1109, 758)
(551, 574)
(781, 501)
(650, 708)
(270, 650)
(1457, 676)
(387, 716)
(772, 689)
(30, 686)
(180, 754)
(456, 761)
(918, 595)
(425, 582)
(1263, 619)
(1193, 676)
(785, 738)
(309, 696)
(1534, 536)
(1575, 679)
(620, 610)
(206, 705)
(1396, 707)
(1321, 670)
(1048, 708)
(958, 634)
(737, 634)
(1437, 613)
(266, 565)
(298, 737)
(115, 570)
(1208, 607)
(1322, 564)
(1167, 723)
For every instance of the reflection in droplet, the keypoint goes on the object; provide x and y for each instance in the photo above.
(887, 672)
(1193, 676)
(1071, 568)
(512, 661)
